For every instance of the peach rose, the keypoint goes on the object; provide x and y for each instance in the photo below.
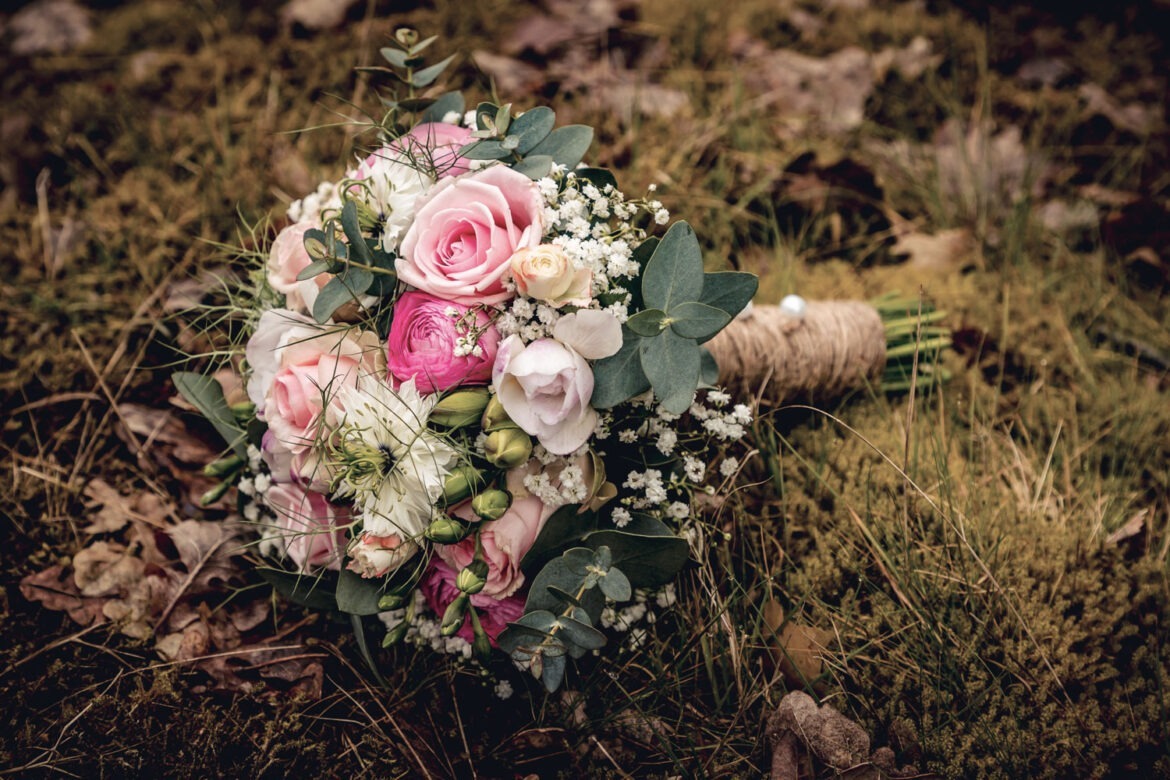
(546, 273)
(377, 556)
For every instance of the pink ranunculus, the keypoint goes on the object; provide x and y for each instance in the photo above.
(436, 145)
(298, 367)
(545, 387)
(309, 528)
(505, 542)
(465, 232)
(377, 556)
(439, 589)
(423, 340)
(286, 259)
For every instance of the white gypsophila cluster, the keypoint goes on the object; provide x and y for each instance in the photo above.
(729, 466)
(649, 487)
(719, 421)
(561, 482)
(314, 206)
(503, 690)
(645, 607)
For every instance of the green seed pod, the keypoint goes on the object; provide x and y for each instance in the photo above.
(491, 504)
(508, 448)
(495, 418)
(461, 408)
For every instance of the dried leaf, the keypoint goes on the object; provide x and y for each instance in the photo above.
(316, 14)
(947, 252)
(49, 26)
(113, 508)
(798, 649)
(106, 569)
(1133, 526)
(828, 734)
(1133, 117)
(55, 589)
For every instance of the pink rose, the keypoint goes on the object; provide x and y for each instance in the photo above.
(547, 274)
(423, 341)
(466, 231)
(377, 556)
(505, 543)
(311, 530)
(545, 387)
(439, 589)
(437, 145)
(286, 259)
(298, 367)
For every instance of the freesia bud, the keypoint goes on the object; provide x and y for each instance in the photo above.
(461, 408)
(491, 504)
(473, 578)
(396, 634)
(508, 448)
(223, 466)
(215, 494)
(391, 601)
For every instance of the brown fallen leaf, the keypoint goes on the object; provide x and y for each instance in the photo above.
(55, 589)
(797, 649)
(949, 251)
(1133, 526)
(1135, 118)
(316, 14)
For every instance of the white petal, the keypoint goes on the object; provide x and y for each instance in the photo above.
(593, 334)
(570, 434)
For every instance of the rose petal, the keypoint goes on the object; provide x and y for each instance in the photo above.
(592, 334)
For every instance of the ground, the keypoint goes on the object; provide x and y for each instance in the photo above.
(973, 574)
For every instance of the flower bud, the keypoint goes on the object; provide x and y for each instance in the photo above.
(508, 448)
(244, 411)
(215, 494)
(396, 634)
(491, 504)
(495, 418)
(460, 409)
(460, 484)
(391, 601)
(482, 645)
(224, 466)
(472, 579)
(446, 530)
(455, 614)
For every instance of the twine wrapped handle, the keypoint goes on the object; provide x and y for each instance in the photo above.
(836, 346)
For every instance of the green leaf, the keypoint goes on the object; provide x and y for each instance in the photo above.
(564, 527)
(534, 166)
(317, 244)
(426, 76)
(648, 322)
(553, 673)
(357, 595)
(206, 395)
(647, 560)
(599, 177)
(314, 592)
(540, 620)
(619, 377)
(532, 127)
(485, 112)
(583, 635)
(671, 363)
(566, 145)
(445, 104)
(708, 368)
(359, 634)
(616, 585)
(674, 274)
(395, 57)
(730, 291)
(313, 269)
(557, 575)
(337, 292)
(578, 560)
(486, 149)
(353, 232)
(697, 320)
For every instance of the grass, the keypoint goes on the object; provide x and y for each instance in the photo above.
(963, 550)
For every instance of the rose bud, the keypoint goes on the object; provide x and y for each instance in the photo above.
(391, 601)
(460, 409)
(491, 504)
(396, 634)
(473, 578)
(495, 418)
(508, 448)
(454, 616)
(446, 530)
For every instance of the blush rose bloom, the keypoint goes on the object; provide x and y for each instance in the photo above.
(505, 542)
(546, 273)
(422, 345)
(286, 259)
(465, 232)
(437, 145)
(545, 387)
(377, 556)
(439, 589)
(310, 530)
(298, 367)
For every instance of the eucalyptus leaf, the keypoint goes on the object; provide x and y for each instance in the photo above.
(566, 145)
(578, 560)
(358, 595)
(447, 103)
(353, 232)
(314, 592)
(646, 560)
(674, 274)
(316, 244)
(540, 620)
(671, 363)
(730, 291)
(562, 528)
(534, 166)
(581, 634)
(694, 320)
(314, 268)
(708, 368)
(206, 395)
(395, 57)
(426, 76)
(648, 322)
(616, 585)
(337, 292)
(556, 574)
(484, 113)
(532, 127)
(486, 149)
(553, 672)
(619, 377)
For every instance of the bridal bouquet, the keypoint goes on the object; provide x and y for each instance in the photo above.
(479, 405)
